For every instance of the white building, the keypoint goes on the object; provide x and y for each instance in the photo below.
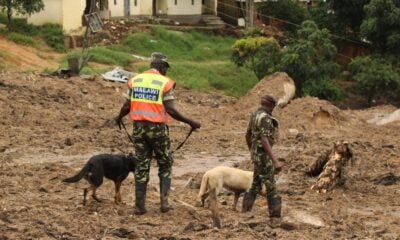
(69, 13)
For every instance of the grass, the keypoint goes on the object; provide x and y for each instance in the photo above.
(191, 46)
(21, 39)
(24, 32)
(198, 61)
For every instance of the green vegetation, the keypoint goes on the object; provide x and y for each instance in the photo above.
(191, 46)
(23, 33)
(198, 60)
(21, 39)
(309, 60)
(20, 6)
(375, 77)
(260, 54)
(53, 35)
(287, 10)
(381, 26)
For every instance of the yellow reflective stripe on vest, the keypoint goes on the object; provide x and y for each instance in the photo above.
(148, 88)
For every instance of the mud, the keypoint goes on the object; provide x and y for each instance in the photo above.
(49, 127)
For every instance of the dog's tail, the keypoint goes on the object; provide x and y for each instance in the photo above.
(78, 176)
(203, 186)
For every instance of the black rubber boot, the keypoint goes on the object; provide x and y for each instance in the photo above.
(248, 201)
(274, 209)
(140, 200)
(165, 185)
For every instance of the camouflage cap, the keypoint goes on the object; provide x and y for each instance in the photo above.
(158, 57)
(269, 98)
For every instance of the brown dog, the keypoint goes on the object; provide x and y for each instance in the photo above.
(113, 167)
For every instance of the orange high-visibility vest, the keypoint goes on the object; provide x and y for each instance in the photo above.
(147, 91)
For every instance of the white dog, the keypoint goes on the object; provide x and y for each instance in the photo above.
(233, 179)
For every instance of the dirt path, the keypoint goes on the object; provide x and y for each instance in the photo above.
(49, 128)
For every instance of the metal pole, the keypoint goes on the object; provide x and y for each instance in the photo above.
(249, 13)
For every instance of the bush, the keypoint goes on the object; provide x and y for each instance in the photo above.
(21, 39)
(53, 35)
(323, 88)
(259, 54)
(375, 77)
(21, 26)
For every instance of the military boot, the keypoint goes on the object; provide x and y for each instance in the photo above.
(165, 185)
(274, 209)
(248, 201)
(140, 200)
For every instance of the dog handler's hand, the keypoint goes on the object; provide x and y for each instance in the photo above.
(278, 166)
(195, 125)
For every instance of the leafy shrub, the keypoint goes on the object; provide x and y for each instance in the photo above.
(323, 88)
(21, 26)
(260, 54)
(54, 36)
(375, 77)
(21, 39)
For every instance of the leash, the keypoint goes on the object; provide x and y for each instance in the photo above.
(127, 133)
(179, 146)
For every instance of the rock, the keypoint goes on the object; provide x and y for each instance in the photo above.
(293, 131)
(90, 106)
(68, 142)
(297, 219)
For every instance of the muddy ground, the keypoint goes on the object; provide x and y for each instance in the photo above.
(49, 127)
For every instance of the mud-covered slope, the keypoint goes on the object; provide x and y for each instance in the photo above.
(49, 127)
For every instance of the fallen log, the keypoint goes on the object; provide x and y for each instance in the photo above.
(333, 167)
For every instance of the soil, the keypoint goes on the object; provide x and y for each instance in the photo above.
(51, 126)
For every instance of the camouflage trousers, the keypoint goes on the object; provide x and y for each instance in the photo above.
(152, 139)
(264, 173)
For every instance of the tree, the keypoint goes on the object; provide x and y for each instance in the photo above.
(349, 14)
(260, 54)
(21, 7)
(382, 25)
(288, 10)
(375, 77)
(310, 62)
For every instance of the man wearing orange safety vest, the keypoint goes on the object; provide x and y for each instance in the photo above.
(151, 100)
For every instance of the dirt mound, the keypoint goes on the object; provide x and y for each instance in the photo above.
(18, 57)
(279, 85)
(309, 113)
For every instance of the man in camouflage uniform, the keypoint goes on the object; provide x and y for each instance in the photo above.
(262, 133)
(151, 96)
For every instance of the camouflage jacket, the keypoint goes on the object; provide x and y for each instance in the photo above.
(263, 124)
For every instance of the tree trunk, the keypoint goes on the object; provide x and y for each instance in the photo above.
(9, 13)
(333, 169)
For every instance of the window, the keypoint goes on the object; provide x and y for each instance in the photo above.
(135, 3)
(192, 2)
(115, 2)
(176, 2)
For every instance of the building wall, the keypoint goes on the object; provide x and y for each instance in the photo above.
(117, 7)
(52, 13)
(142, 8)
(184, 7)
(72, 14)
